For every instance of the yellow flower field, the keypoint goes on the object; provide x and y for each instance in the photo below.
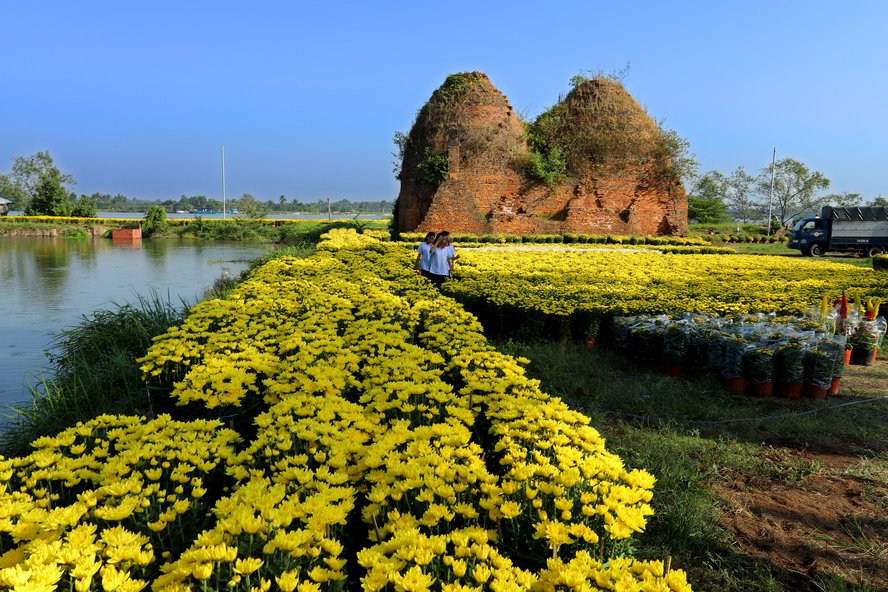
(378, 443)
(561, 282)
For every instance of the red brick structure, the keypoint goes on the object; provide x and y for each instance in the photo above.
(616, 183)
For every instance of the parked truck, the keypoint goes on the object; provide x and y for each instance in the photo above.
(862, 230)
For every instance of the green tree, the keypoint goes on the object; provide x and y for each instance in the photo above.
(49, 198)
(707, 211)
(740, 195)
(84, 207)
(155, 220)
(9, 190)
(796, 189)
(250, 207)
(706, 202)
(845, 199)
(28, 173)
(710, 185)
(880, 201)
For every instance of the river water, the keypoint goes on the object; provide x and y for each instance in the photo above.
(49, 284)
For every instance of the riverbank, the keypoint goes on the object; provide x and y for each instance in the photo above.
(53, 230)
(270, 230)
(92, 368)
(50, 283)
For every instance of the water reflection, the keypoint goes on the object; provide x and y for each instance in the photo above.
(47, 284)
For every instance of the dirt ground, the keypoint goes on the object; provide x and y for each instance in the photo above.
(826, 513)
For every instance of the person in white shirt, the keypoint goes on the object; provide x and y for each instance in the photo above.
(422, 254)
(441, 256)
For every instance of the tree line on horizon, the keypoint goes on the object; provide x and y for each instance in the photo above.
(36, 186)
(797, 191)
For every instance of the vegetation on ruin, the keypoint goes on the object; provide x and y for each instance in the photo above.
(434, 166)
(599, 124)
(421, 153)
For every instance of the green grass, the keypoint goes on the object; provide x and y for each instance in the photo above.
(94, 371)
(728, 228)
(781, 250)
(691, 433)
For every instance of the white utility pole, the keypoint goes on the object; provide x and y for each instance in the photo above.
(223, 181)
(771, 192)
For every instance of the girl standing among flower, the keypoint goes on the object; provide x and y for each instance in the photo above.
(441, 256)
(422, 254)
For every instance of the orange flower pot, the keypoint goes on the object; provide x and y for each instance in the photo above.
(675, 370)
(813, 391)
(736, 384)
(834, 387)
(791, 390)
(761, 389)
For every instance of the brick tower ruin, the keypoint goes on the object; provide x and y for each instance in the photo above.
(468, 166)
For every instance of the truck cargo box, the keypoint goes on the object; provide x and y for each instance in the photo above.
(856, 224)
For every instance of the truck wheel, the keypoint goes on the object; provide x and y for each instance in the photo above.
(873, 251)
(816, 250)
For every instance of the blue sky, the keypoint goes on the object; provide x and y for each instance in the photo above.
(137, 97)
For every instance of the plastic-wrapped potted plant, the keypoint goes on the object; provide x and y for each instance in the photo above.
(759, 371)
(732, 363)
(791, 368)
(592, 329)
(819, 363)
(621, 331)
(647, 340)
(562, 328)
(715, 351)
(675, 347)
(836, 344)
(700, 339)
(864, 339)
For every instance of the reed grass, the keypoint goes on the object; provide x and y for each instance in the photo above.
(93, 371)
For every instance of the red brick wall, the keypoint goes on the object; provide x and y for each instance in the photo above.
(485, 193)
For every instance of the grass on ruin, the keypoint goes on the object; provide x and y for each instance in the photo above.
(691, 432)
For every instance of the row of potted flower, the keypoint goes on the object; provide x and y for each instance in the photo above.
(557, 295)
(752, 352)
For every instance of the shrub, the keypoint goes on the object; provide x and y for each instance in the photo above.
(94, 372)
(549, 168)
(880, 262)
(155, 220)
(434, 166)
(84, 207)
